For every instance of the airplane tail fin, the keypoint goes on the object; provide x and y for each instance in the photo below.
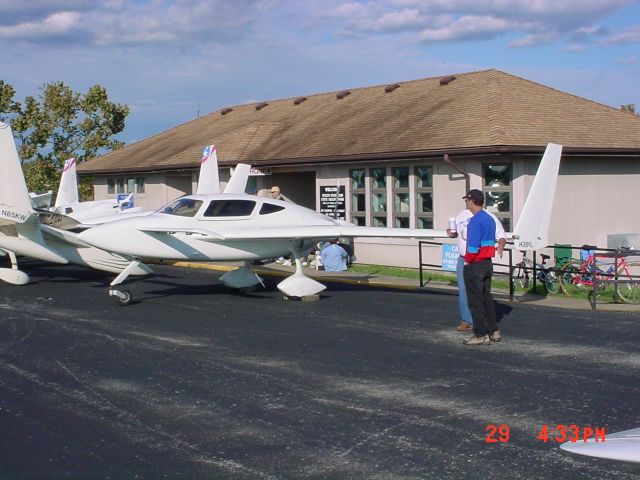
(238, 181)
(15, 202)
(68, 189)
(532, 230)
(209, 181)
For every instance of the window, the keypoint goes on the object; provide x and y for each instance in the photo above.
(498, 191)
(424, 196)
(401, 201)
(268, 208)
(358, 197)
(378, 197)
(183, 207)
(397, 185)
(125, 185)
(139, 184)
(230, 208)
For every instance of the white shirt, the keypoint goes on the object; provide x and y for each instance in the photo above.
(462, 220)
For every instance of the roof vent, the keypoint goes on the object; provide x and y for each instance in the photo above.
(391, 88)
(260, 106)
(447, 80)
(342, 94)
(224, 111)
(299, 100)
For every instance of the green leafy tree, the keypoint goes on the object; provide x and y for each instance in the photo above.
(629, 107)
(60, 124)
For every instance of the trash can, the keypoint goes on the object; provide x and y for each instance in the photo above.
(562, 253)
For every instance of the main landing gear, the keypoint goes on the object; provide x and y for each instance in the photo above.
(13, 275)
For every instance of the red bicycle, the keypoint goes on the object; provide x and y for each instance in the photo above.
(590, 274)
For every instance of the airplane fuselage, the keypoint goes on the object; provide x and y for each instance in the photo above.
(170, 236)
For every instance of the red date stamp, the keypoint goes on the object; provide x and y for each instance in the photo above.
(555, 433)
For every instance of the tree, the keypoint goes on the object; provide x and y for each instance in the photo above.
(629, 107)
(60, 124)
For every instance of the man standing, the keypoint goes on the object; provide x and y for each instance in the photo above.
(462, 221)
(478, 270)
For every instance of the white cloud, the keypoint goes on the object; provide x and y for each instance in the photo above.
(630, 35)
(59, 24)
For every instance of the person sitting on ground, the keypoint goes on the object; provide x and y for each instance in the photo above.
(334, 257)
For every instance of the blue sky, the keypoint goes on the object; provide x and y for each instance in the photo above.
(170, 59)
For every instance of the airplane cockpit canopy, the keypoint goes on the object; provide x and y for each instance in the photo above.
(183, 207)
(230, 208)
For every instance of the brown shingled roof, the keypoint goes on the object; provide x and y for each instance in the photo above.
(475, 111)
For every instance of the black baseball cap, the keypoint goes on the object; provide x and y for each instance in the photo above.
(474, 195)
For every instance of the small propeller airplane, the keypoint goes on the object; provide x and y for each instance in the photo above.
(213, 227)
(241, 227)
(68, 203)
(622, 446)
(23, 231)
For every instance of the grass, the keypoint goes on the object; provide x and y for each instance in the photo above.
(500, 281)
(411, 273)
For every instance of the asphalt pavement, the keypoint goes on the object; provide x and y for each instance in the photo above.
(195, 381)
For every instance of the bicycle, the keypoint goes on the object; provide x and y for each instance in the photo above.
(544, 274)
(585, 274)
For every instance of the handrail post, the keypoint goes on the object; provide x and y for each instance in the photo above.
(535, 272)
(420, 261)
(511, 285)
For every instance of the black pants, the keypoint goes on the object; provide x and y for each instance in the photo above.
(477, 280)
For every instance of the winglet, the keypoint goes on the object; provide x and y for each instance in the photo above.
(209, 181)
(532, 230)
(68, 189)
(15, 203)
(238, 181)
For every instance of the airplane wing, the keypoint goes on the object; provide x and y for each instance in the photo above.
(332, 231)
(319, 232)
(623, 446)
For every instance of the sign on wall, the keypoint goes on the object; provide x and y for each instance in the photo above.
(450, 256)
(332, 201)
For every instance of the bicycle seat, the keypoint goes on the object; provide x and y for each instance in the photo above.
(544, 257)
(588, 247)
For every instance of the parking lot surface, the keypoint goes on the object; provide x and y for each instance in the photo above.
(195, 381)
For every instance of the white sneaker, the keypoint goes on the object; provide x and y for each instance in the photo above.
(287, 263)
(304, 264)
(280, 260)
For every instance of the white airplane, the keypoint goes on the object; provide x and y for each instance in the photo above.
(68, 203)
(22, 231)
(623, 446)
(225, 227)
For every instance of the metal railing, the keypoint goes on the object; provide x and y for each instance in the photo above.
(599, 277)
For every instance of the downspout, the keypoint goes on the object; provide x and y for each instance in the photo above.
(467, 180)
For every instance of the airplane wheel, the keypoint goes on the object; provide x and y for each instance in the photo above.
(123, 297)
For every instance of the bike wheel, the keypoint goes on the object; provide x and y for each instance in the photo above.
(571, 278)
(551, 282)
(628, 288)
(520, 280)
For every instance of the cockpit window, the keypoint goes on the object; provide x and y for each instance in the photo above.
(230, 208)
(183, 207)
(268, 208)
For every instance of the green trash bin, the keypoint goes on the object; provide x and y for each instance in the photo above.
(562, 253)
